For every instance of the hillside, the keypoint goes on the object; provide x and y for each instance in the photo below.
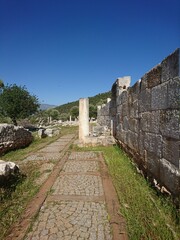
(96, 100)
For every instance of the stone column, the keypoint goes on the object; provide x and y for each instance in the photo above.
(83, 118)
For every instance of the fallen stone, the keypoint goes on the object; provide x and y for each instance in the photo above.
(8, 168)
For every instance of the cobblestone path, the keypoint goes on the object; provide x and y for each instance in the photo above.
(80, 203)
(76, 207)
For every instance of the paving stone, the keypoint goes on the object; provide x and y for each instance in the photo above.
(82, 156)
(43, 157)
(79, 166)
(98, 229)
(87, 185)
(71, 219)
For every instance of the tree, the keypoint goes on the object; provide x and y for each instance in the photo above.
(17, 103)
(53, 113)
(92, 111)
(64, 116)
(1, 86)
(74, 111)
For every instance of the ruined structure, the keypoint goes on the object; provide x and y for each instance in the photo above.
(13, 137)
(83, 118)
(145, 120)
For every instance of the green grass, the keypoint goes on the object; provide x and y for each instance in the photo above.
(148, 214)
(15, 196)
(17, 193)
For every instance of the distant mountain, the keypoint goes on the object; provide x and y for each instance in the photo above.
(46, 106)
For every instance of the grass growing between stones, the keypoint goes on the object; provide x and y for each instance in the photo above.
(148, 214)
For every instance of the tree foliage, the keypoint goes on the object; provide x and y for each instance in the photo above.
(74, 112)
(54, 113)
(17, 103)
(92, 111)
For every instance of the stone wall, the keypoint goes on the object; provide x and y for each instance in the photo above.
(146, 121)
(12, 137)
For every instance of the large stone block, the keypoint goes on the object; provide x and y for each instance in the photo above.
(174, 93)
(170, 176)
(132, 140)
(133, 125)
(134, 109)
(143, 83)
(153, 165)
(159, 98)
(171, 151)
(171, 66)
(122, 98)
(154, 77)
(153, 143)
(150, 122)
(141, 137)
(13, 137)
(170, 123)
(125, 109)
(145, 100)
(125, 123)
(112, 111)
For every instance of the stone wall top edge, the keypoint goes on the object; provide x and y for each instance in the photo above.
(144, 77)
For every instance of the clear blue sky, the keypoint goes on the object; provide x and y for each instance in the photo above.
(62, 50)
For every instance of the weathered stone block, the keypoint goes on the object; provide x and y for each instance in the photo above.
(13, 137)
(154, 77)
(153, 165)
(153, 143)
(170, 123)
(135, 90)
(143, 83)
(112, 111)
(123, 97)
(141, 141)
(125, 123)
(170, 176)
(174, 93)
(133, 125)
(149, 121)
(171, 151)
(159, 98)
(171, 66)
(125, 109)
(133, 109)
(132, 140)
(145, 100)
(119, 109)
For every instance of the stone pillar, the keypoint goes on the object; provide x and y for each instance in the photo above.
(83, 118)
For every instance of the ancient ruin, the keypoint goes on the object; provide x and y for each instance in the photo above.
(13, 137)
(145, 121)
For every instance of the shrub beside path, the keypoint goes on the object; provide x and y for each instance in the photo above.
(76, 202)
